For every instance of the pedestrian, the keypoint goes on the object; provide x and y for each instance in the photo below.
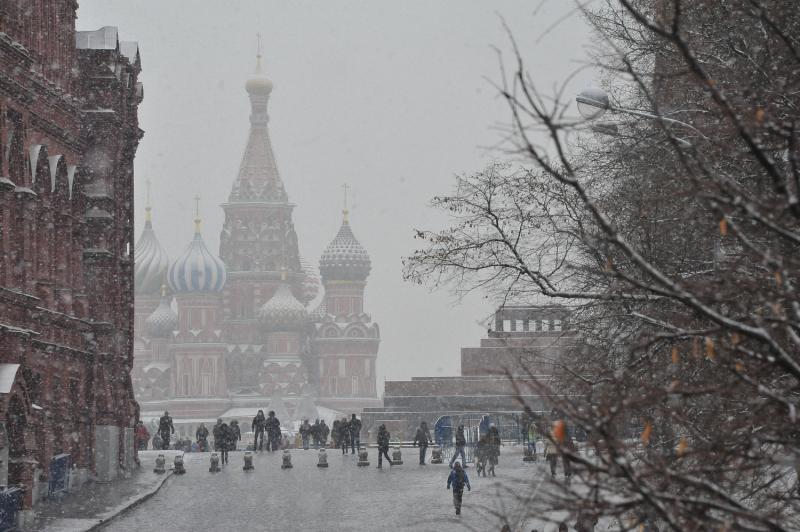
(355, 434)
(201, 435)
(142, 436)
(422, 438)
(305, 433)
(165, 429)
(461, 443)
(157, 443)
(481, 455)
(315, 433)
(258, 427)
(344, 435)
(551, 455)
(236, 435)
(336, 430)
(383, 446)
(222, 440)
(493, 438)
(566, 458)
(323, 433)
(273, 429)
(458, 479)
(533, 436)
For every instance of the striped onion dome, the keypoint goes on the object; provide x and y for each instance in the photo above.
(344, 259)
(150, 261)
(283, 312)
(197, 270)
(163, 320)
(310, 284)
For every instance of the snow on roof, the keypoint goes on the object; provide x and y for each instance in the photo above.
(106, 38)
(8, 372)
(243, 411)
(160, 366)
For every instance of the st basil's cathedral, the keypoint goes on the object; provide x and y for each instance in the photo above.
(224, 336)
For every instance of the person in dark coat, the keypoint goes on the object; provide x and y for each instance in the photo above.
(236, 435)
(222, 440)
(493, 438)
(461, 443)
(344, 435)
(458, 479)
(481, 455)
(305, 433)
(273, 428)
(423, 439)
(355, 434)
(201, 435)
(157, 442)
(258, 427)
(165, 429)
(315, 433)
(323, 433)
(335, 433)
(383, 446)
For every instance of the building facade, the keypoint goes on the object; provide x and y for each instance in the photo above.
(223, 335)
(68, 135)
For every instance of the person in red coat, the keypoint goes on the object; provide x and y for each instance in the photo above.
(142, 436)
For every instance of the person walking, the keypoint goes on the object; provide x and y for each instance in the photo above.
(458, 479)
(142, 436)
(258, 427)
(336, 430)
(422, 438)
(566, 458)
(323, 433)
(305, 433)
(236, 434)
(157, 443)
(222, 440)
(383, 446)
(461, 443)
(493, 438)
(481, 455)
(551, 455)
(201, 435)
(344, 435)
(355, 434)
(165, 429)
(315, 433)
(273, 428)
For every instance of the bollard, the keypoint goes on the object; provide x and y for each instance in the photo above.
(248, 461)
(436, 456)
(214, 463)
(160, 465)
(323, 458)
(528, 455)
(178, 465)
(287, 460)
(363, 457)
(397, 456)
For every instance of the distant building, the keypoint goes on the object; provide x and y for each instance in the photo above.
(68, 135)
(523, 346)
(224, 336)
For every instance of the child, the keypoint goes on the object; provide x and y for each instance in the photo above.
(458, 479)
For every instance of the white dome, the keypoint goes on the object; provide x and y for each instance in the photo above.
(283, 312)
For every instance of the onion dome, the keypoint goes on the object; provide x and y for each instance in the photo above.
(258, 84)
(320, 313)
(283, 312)
(163, 320)
(310, 284)
(197, 270)
(150, 260)
(344, 259)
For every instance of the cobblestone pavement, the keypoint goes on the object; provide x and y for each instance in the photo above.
(340, 497)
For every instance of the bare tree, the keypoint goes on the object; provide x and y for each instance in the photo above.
(676, 240)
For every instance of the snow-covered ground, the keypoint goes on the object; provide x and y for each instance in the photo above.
(341, 497)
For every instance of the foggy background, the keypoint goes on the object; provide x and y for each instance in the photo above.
(390, 97)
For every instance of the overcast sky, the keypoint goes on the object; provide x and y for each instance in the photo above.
(388, 96)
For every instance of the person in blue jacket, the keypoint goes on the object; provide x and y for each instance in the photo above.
(458, 479)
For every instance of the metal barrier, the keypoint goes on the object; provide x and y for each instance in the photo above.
(59, 475)
(10, 504)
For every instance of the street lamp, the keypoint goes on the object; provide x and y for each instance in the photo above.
(594, 102)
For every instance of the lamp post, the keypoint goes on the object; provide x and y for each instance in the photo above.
(594, 102)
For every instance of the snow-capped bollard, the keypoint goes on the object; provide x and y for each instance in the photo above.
(323, 458)
(160, 465)
(248, 461)
(363, 457)
(214, 463)
(436, 456)
(528, 455)
(177, 466)
(287, 460)
(397, 456)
